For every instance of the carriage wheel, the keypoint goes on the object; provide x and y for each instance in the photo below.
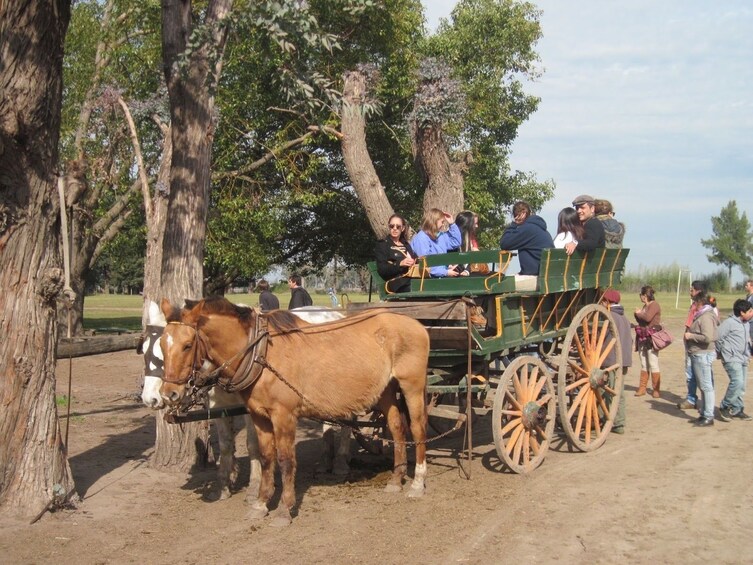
(442, 425)
(524, 414)
(587, 402)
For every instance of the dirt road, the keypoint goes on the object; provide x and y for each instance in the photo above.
(665, 492)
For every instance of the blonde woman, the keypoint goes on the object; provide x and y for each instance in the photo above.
(437, 235)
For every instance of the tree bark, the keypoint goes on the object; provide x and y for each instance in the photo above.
(358, 162)
(443, 176)
(34, 471)
(191, 108)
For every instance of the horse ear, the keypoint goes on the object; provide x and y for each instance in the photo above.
(192, 313)
(166, 307)
(155, 317)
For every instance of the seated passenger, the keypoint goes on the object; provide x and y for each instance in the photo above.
(527, 234)
(569, 228)
(394, 256)
(614, 231)
(593, 229)
(437, 236)
(467, 222)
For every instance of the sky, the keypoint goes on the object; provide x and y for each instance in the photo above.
(649, 105)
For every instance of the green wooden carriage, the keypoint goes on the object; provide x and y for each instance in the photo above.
(538, 328)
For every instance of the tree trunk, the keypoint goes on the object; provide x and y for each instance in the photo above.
(34, 471)
(356, 155)
(442, 175)
(191, 107)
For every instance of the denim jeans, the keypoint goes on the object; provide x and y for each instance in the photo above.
(733, 400)
(701, 364)
(690, 381)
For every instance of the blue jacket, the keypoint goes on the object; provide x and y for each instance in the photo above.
(732, 341)
(528, 238)
(423, 244)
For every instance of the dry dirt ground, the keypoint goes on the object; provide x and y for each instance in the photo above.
(665, 492)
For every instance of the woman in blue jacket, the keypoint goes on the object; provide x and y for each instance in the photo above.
(437, 236)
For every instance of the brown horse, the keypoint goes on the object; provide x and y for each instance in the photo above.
(328, 370)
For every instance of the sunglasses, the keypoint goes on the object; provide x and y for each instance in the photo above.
(396, 226)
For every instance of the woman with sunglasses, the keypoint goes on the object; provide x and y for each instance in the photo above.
(394, 256)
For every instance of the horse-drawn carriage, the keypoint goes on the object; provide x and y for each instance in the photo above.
(537, 327)
(284, 368)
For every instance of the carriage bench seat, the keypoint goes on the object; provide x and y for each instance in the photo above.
(558, 272)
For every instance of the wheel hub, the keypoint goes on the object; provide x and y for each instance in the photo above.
(598, 378)
(533, 415)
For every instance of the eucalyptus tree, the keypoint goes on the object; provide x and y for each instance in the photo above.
(34, 471)
(731, 243)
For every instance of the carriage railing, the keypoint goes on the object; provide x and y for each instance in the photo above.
(558, 272)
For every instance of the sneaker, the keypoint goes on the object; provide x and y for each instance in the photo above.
(724, 415)
(704, 422)
(618, 430)
(685, 405)
(742, 416)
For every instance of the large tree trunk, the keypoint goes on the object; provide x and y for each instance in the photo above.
(443, 176)
(34, 471)
(191, 107)
(356, 155)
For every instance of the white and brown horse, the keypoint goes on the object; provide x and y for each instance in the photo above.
(327, 370)
(228, 428)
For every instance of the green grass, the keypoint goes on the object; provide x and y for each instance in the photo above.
(103, 312)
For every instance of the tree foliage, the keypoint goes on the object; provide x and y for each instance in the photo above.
(731, 243)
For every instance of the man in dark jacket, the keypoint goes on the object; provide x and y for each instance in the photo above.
(593, 237)
(298, 295)
(527, 234)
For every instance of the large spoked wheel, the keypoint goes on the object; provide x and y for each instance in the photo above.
(589, 392)
(524, 414)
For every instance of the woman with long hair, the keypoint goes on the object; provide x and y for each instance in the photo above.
(437, 236)
(648, 318)
(394, 255)
(569, 228)
(467, 222)
(700, 344)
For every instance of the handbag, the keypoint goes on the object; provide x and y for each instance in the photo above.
(479, 269)
(661, 339)
(414, 272)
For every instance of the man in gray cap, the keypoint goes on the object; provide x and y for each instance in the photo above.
(593, 236)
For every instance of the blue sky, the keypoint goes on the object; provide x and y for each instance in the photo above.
(650, 105)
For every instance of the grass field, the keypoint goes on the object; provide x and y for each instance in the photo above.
(105, 312)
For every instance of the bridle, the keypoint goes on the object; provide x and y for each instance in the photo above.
(249, 370)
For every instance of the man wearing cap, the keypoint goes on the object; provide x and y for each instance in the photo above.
(593, 236)
(611, 301)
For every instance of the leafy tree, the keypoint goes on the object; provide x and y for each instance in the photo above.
(731, 244)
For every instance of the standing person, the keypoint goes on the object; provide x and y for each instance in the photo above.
(614, 231)
(395, 256)
(437, 236)
(593, 229)
(700, 339)
(732, 347)
(527, 234)
(749, 298)
(611, 301)
(299, 296)
(569, 228)
(691, 398)
(267, 300)
(648, 318)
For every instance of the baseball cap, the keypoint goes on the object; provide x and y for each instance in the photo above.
(583, 199)
(612, 295)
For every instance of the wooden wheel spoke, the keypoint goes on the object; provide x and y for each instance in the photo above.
(539, 386)
(610, 390)
(526, 448)
(588, 408)
(512, 412)
(581, 413)
(518, 447)
(513, 439)
(577, 368)
(512, 424)
(518, 387)
(533, 381)
(602, 404)
(544, 400)
(576, 384)
(535, 445)
(596, 420)
(594, 329)
(524, 384)
(510, 397)
(577, 400)
(605, 352)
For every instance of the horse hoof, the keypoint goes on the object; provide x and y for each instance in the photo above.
(257, 513)
(415, 492)
(280, 521)
(224, 494)
(392, 488)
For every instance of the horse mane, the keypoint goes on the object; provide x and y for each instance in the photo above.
(282, 321)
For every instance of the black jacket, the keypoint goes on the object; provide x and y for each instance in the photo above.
(388, 258)
(593, 237)
(299, 296)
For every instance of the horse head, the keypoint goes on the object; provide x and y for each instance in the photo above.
(153, 359)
